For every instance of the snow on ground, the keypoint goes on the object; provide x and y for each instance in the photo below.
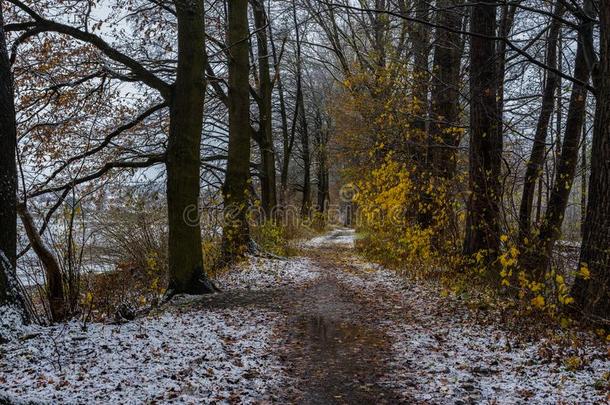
(182, 355)
(11, 323)
(340, 237)
(463, 362)
(187, 353)
(262, 273)
(446, 357)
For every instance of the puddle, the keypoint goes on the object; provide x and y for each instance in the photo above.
(337, 353)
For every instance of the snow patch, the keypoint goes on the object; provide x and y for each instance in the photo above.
(11, 323)
(184, 355)
(445, 357)
(262, 273)
(338, 237)
(473, 363)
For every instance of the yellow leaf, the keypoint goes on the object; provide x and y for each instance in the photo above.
(538, 302)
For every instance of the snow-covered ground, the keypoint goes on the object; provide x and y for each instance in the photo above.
(191, 352)
(261, 273)
(342, 237)
(187, 356)
(445, 354)
(188, 353)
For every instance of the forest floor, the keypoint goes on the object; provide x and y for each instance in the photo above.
(324, 327)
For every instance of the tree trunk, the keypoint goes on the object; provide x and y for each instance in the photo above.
(380, 24)
(538, 258)
(55, 288)
(483, 216)
(10, 294)
(236, 233)
(287, 137)
(303, 129)
(507, 18)
(321, 152)
(268, 182)
(306, 156)
(444, 139)
(8, 168)
(536, 160)
(421, 78)
(583, 179)
(421, 52)
(186, 272)
(323, 192)
(592, 294)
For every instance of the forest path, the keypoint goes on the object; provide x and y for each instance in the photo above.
(334, 341)
(331, 336)
(323, 328)
(359, 333)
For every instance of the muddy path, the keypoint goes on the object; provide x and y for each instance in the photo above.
(331, 340)
(334, 343)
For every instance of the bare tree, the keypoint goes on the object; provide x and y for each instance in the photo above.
(185, 99)
(10, 295)
(538, 257)
(536, 160)
(264, 101)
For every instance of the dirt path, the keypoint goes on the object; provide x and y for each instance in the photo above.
(358, 334)
(334, 343)
(350, 332)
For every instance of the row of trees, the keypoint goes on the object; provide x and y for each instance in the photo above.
(504, 51)
(591, 293)
(258, 99)
(79, 71)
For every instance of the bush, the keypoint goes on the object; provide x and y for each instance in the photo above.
(406, 224)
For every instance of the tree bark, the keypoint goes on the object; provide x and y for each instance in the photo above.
(268, 181)
(236, 233)
(536, 160)
(287, 137)
(583, 178)
(483, 216)
(186, 272)
(421, 52)
(507, 19)
(305, 155)
(11, 297)
(303, 128)
(321, 153)
(592, 294)
(444, 139)
(538, 258)
(8, 170)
